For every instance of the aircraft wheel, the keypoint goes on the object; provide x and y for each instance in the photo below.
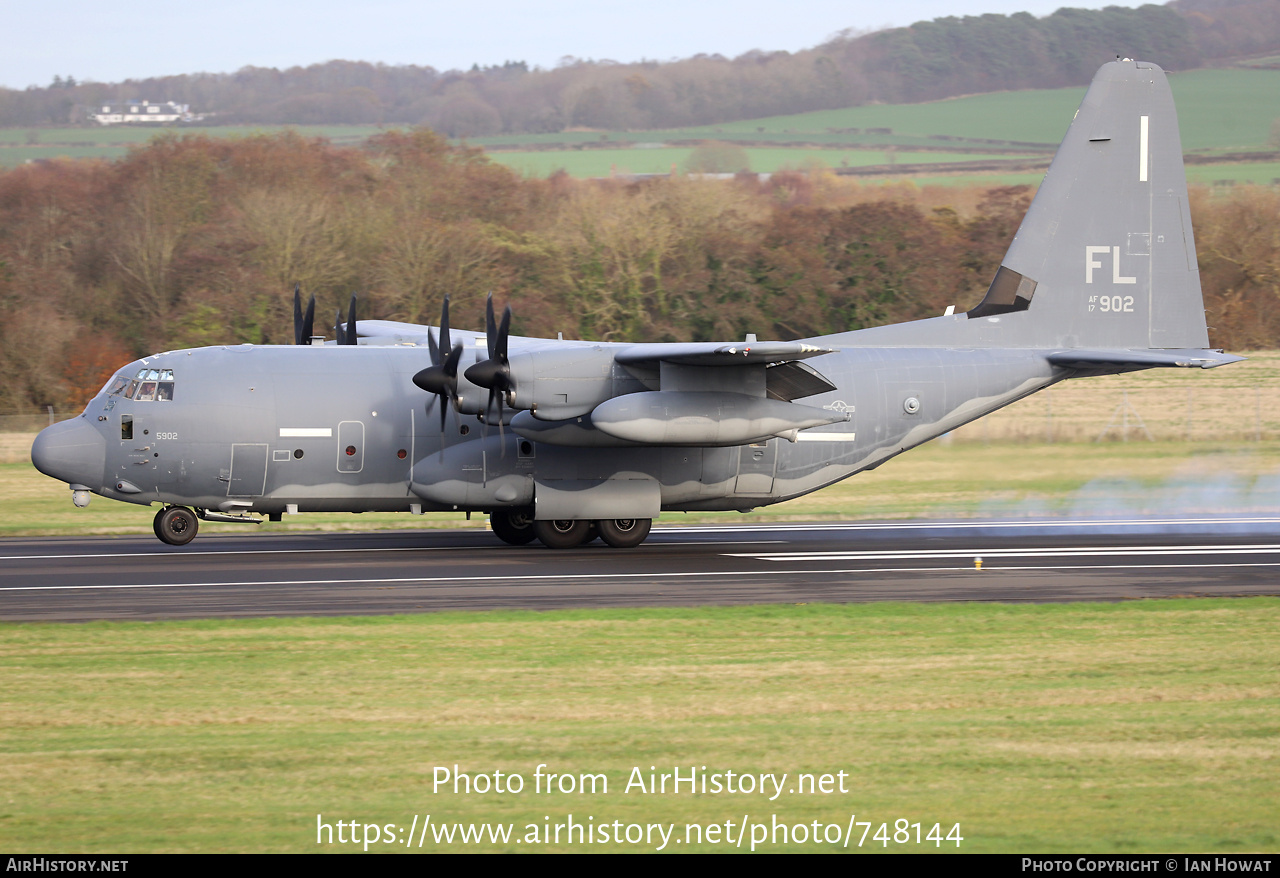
(176, 525)
(624, 533)
(513, 526)
(562, 533)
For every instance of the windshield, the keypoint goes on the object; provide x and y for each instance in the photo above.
(145, 385)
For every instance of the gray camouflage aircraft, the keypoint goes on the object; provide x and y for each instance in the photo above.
(568, 440)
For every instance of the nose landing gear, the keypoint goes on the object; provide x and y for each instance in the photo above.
(176, 525)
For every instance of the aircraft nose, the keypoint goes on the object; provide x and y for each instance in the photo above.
(72, 452)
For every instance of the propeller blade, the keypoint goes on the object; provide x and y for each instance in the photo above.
(504, 329)
(490, 326)
(441, 379)
(309, 321)
(444, 326)
(495, 372)
(297, 314)
(349, 337)
(451, 367)
(337, 328)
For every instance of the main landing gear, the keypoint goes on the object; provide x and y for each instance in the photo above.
(176, 525)
(518, 528)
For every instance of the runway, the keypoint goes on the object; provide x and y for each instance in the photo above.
(407, 572)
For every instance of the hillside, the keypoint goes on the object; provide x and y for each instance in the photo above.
(946, 57)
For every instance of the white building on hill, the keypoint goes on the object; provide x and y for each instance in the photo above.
(141, 111)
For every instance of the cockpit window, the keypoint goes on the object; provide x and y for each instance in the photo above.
(147, 384)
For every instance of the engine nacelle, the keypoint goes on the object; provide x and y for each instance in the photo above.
(471, 398)
(562, 383)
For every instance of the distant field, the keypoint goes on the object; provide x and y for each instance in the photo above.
(132, 135)
(602, 162)
(1219, 111)
(112, 142)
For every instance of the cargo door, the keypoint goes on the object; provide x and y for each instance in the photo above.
(756, 463)
(248, 476)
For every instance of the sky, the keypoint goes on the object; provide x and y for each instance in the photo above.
(134, 39)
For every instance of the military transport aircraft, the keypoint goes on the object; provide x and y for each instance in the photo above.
(565, 440)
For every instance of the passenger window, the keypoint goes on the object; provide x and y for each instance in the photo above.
(126, 427)
(133, 387)
(116, 385)
(147, 390)
(165, 390)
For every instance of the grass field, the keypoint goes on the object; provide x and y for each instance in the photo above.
(1218, 111)
(1144, 726)
(603, 162)
(1129, 727)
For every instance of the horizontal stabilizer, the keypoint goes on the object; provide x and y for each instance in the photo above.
(1146, 359)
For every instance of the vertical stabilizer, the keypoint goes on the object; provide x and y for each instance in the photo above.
(1105, 257)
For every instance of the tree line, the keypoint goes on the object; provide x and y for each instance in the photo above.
(928, 60)
(196, 240)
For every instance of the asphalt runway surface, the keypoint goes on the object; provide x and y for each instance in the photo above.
(52, 579)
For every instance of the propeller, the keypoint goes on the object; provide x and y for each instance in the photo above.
(495, 372)
(348, 335)
(441, 377)
(303, 327)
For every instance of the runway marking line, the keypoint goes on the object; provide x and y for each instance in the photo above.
(1066, 551)
(177, 553)
(453, 580)
(984, 523)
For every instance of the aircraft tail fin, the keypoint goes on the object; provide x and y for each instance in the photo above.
(1105, 257)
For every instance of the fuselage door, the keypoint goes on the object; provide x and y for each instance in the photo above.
(756, 464)
(350, 446)
(248, 475)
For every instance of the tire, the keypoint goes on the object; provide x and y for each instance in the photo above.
(624, 533)
(513, 526)
(562, 534)
(176, 525)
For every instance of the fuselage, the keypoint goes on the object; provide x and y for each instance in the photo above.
(274, 429)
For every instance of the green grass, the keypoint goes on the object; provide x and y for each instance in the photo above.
(1239, 173)
(602, 162)
(131, 135)
(1218, 110)
(1143, 726)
